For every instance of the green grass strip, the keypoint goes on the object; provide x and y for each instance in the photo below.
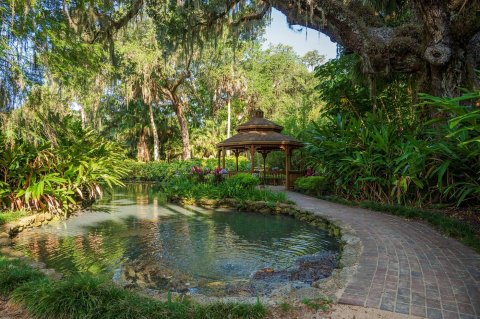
(14, 273)
(89, 297)
(10, 216)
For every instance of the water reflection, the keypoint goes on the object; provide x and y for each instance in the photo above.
(135, 226)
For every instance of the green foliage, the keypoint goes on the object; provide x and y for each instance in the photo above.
(179, 182)
(10, 215)
(243, 183)
(338, 86)
(371, 158)
(347, 90)
(311, 185)
(186, 189)
(285, 306)
(14, 273)
(244, 180)
(160, 171)
(85, 297)
(42, 175)
(453, 158)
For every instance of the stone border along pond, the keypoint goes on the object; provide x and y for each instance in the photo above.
(331, 286)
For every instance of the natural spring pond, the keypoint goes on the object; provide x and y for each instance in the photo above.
(134, 238)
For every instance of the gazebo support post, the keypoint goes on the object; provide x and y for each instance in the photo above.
(252, 158)
(264, 156)
(287, 167)
(237, 153)
(219, 154)
(223, 157)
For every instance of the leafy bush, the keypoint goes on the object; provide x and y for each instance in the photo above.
(44, 176)
(373, 158)
(453, 158)
(160, 171)
(183, 188)
(311, 185)
(244, 180)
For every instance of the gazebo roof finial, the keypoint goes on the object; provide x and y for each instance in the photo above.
(257, 113)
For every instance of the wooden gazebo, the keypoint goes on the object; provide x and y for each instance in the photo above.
(263, 136)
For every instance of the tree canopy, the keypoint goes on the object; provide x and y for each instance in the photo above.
(169, 79)
(436, 41)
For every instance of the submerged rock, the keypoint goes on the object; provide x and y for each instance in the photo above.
(307, 269)
(312, 268)
(151, 274)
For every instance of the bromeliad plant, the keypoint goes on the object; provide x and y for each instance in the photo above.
(57, 178)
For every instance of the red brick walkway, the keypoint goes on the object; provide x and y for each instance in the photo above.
(406, 266)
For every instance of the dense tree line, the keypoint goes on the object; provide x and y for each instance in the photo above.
(168, 80)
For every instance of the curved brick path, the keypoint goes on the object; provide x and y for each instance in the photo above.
(406, 266)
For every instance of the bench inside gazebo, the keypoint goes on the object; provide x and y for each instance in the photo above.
(262, 136)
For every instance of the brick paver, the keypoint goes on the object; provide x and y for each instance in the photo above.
(406, 266)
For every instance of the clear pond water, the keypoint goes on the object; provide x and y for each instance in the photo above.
(133, 230)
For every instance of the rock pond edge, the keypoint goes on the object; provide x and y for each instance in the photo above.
(331, 287)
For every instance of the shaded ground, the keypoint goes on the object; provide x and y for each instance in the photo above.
(338, 312)
(470, 215)
(8, 311)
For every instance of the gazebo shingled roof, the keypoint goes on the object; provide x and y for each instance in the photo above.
(259, 134)
(259, 138)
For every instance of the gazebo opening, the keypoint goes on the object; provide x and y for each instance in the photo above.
(262, 136)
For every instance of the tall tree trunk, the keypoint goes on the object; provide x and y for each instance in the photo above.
(229, 117)
(229, 120)
(83, 116)
(179, 107)
(142, 148)
(156, 156)
(182, 121)
(441, 53)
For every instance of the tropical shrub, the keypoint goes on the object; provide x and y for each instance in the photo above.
(160, 171)
(56, 177)
(14, 273)
(241, 189)
(373, 158)
(454, 155)
(311, 185)
(239, 185)
(244, 180)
